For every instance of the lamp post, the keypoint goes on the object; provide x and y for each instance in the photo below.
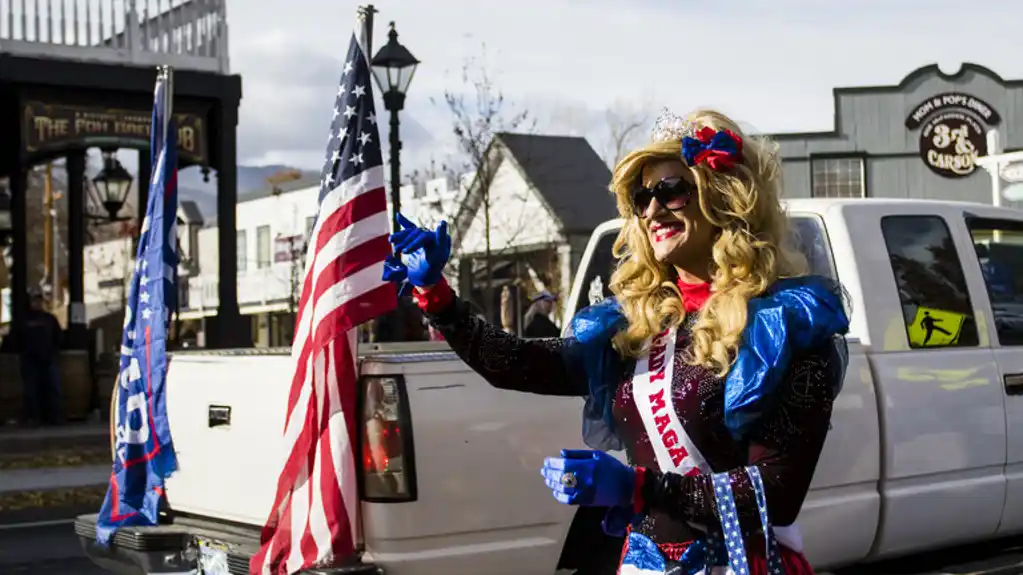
(111, 185)
(393, 68)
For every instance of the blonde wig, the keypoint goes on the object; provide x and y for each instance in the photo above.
(751, 251)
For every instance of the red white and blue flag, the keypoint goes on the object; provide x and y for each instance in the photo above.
(144, 453)
(313, 518)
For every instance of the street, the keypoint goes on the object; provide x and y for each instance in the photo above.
(50, 548)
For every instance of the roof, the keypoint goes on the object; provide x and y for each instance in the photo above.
(308, 180)
(569, 176)
(191, 212)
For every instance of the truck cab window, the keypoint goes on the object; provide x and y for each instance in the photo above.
(811, 239)
(999, 248)
(597, 273)
(932, 288)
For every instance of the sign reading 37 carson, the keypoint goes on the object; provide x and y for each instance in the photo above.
(55, 127)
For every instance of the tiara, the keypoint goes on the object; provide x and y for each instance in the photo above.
(670, 127)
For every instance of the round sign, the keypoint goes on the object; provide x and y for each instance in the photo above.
(1013, 193)
(950, 143)
(1012, 172)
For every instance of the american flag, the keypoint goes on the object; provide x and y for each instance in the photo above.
(312, 522)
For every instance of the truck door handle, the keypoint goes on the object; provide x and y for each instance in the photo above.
(219, 415)
(1014, 384)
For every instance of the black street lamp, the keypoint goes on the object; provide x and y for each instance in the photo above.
(112, 184)
(393, 68)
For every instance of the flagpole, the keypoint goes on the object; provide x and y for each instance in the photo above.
(168, 76)
(366, 12)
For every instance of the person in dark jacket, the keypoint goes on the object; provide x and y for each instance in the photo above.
(538, 321)
(40, 341)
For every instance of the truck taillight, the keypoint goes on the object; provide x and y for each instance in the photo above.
(388, 460)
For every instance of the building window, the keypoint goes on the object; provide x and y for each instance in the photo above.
(999, 248)
(932, 288)
(242, 250)
(263, 247)
(838, 178)
(309, 223)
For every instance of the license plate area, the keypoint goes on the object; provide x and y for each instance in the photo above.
(212, 557)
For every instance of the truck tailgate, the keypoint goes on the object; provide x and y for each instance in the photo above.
(226, 416)
(480, 500)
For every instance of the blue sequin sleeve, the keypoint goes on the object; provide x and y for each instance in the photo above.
(601, 366)
(796, 315)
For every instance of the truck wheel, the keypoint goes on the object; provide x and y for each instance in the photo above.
(587, 548)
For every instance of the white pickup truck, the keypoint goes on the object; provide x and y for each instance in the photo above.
(926, 448)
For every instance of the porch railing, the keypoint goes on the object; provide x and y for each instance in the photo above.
(187, 34)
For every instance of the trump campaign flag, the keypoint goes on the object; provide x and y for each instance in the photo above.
(312, 521)
(144, 454)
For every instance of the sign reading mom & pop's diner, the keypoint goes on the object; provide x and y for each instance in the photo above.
(952, 132)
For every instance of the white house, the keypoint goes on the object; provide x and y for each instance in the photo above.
(546, 194)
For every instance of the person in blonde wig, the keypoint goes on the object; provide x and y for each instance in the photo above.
(714, 366)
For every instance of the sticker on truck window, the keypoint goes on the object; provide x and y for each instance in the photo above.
(935, 327)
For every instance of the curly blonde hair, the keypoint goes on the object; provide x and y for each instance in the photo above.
(751, 251)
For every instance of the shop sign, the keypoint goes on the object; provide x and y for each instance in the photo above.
(56, 127)
(953, 132)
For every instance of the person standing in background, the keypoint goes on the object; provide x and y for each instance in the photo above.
(537, 320)
(39, 342)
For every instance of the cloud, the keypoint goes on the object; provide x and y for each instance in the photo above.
(771, 64)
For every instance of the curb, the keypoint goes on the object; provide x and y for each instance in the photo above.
(45, 479)
(14, 519)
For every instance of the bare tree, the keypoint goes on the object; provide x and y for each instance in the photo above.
(626, 123)
(479, 112)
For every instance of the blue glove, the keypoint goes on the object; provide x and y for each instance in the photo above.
(425, 255)
(589, 478)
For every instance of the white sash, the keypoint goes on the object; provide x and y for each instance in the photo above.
(651, 390)
(674, 449)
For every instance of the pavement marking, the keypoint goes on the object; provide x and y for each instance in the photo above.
(32, 524)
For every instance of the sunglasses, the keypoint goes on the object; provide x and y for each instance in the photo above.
(672, 193)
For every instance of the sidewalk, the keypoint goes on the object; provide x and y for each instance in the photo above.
(70, 430)
(47, 478)
(20, 441)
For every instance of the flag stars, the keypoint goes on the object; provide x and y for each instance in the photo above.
(372, 118)
(144, 297)
(359, 91)
(365, 138)
(349, 112)
(147, 313)
(357, 159)
(143, 280)
(348, 68)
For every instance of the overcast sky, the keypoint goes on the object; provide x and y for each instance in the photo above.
(770, 63)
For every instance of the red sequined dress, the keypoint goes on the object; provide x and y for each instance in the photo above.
(785, 447)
